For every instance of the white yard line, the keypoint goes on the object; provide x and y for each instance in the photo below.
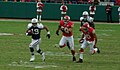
(6, 34)
(31, 65)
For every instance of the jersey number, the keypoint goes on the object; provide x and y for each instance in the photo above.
(35, 31)
(66, 30)
(88, 36)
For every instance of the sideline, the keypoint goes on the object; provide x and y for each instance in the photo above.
(28, 20)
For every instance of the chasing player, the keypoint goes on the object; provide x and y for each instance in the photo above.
(89, 41)
(86, 18)
(34, 29)
(40, 6)
(66, 26)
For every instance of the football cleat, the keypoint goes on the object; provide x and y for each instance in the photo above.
(98, 51)
(74, 59)
(32, 58)
(43, 56)
(80, 61)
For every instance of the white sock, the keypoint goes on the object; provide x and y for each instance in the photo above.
(37, 17)
(81, 55)
(40, 18)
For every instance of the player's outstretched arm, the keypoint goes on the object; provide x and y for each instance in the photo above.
(95, 36)
(57, 31)
(48, 32)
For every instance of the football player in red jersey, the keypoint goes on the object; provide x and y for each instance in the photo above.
(63, 9)
(90, 40)
(39, 6)
(66, 26)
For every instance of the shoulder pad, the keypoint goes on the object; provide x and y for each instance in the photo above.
(81, 18)
(29, 25)
(40, 25)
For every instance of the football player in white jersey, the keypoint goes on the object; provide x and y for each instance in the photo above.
(86, 18)
(34, 29)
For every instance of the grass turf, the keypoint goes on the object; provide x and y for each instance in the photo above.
(15, 55)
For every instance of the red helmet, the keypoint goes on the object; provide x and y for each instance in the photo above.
(86, 25)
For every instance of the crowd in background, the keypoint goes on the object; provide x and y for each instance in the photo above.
(116, 2)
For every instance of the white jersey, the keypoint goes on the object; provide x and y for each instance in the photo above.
(39, 25)
(88, 19)
(119, 10)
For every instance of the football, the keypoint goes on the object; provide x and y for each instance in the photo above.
(29, 32)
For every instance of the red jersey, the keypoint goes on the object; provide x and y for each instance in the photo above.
(63, 8)
(92, 8)
(66, 26)
(40, 5)
(89, 34)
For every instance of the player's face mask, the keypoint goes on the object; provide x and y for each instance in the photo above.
(85, 16)
(34, 24)
(66, 21)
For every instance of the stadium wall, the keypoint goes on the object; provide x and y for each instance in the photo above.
(51, 11)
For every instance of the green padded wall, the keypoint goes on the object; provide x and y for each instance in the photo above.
(51, 11)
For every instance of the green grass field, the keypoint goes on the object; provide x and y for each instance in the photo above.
(15, 55)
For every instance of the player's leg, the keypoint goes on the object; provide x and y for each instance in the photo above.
(68, 45)
(62, 42)
(40, 51)
(81, 51)
(93, 49)
(31, 46)
(71, 43)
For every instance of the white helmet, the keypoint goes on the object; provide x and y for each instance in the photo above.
(34, 20)
(85, 13)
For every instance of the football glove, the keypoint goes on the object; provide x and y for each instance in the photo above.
(57, 32)
(29, 32)
(48, 35)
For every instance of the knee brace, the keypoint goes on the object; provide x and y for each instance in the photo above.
(39, 51)
(31, 49)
